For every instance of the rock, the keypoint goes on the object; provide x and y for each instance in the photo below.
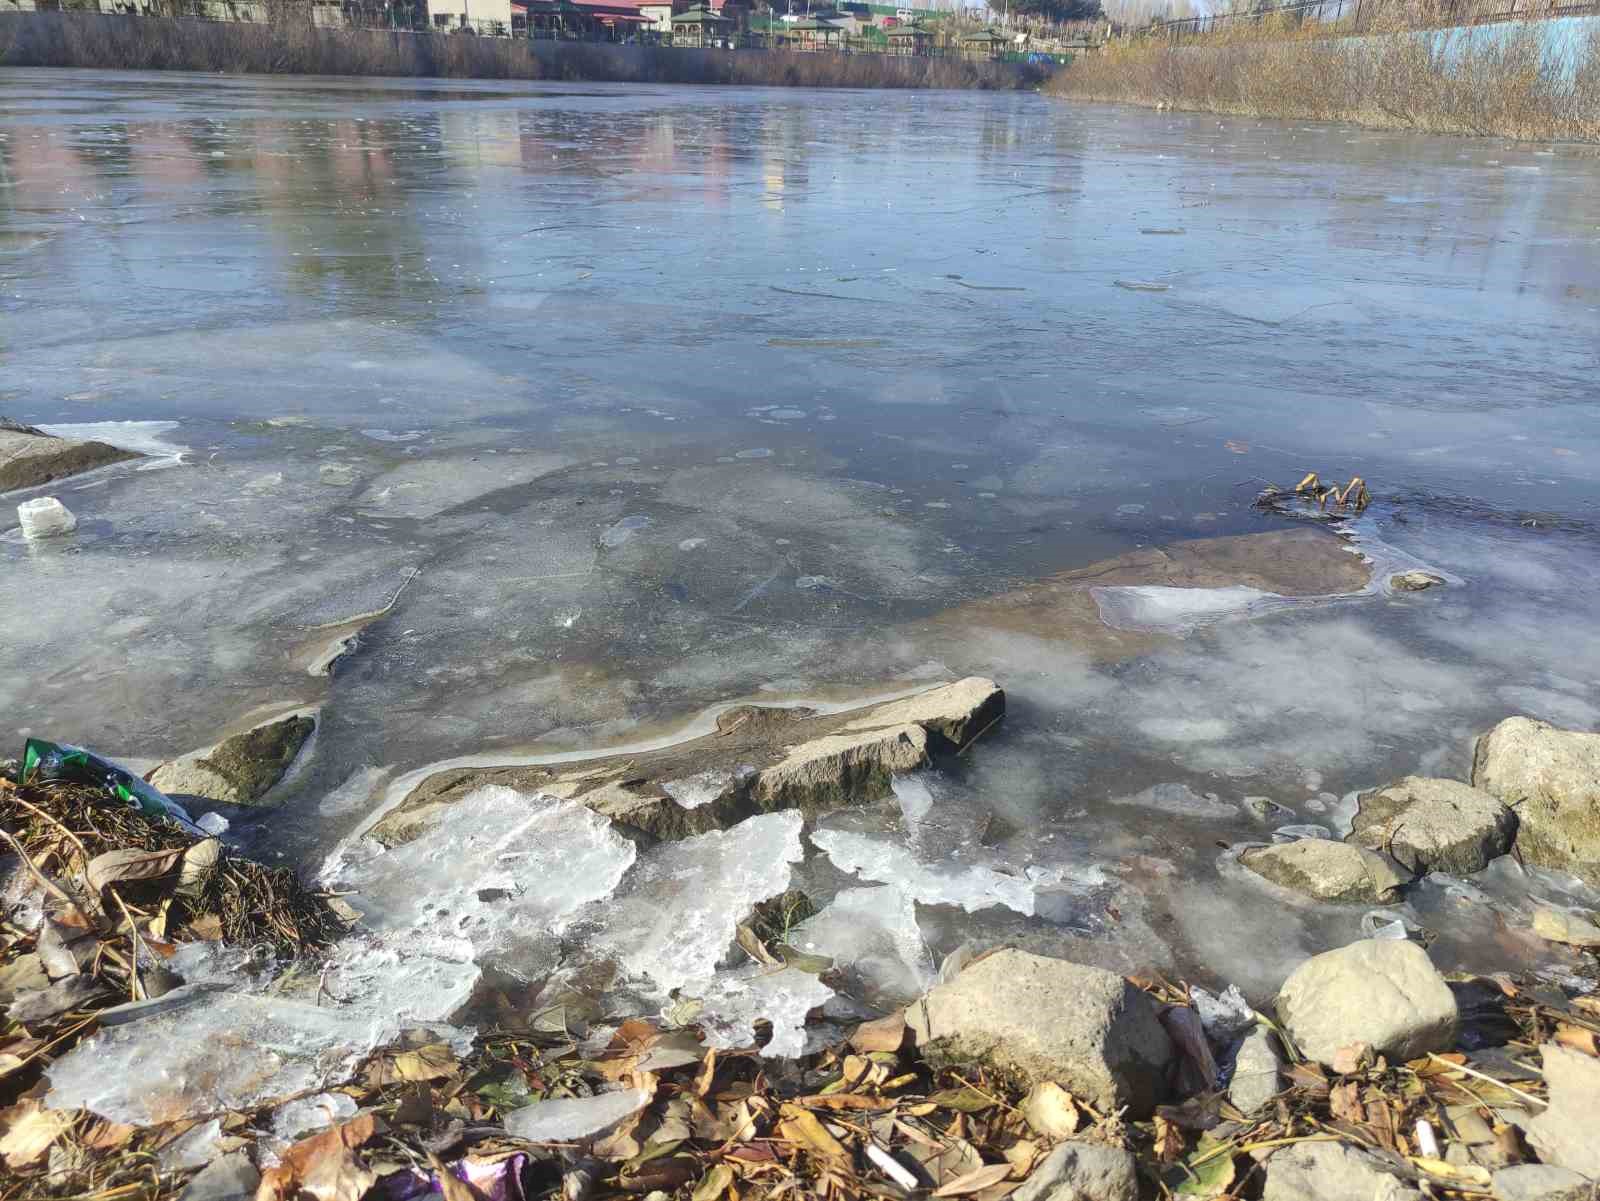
(1256, 1066)
(229, 1178)
(1333, 1172)
(1383, 992)
(1327, 870)
(1564, 1134)
(240, 770)
(1038, 1019)
(1558, 925)
(1435, 825)
(1553, 778)
(29, 458)
(1079, 1171)
(1414, 581)
(759, 760)
(1539, 1182)
(1265, 809)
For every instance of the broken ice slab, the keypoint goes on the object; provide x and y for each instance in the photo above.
(769, 757)
(307, 1115)
(733, 1001)
(569, 1119)
(675, 915)
(871, 934)
(226, 1051)
(972, 886)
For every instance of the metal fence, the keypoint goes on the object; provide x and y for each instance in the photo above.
(1359, 16)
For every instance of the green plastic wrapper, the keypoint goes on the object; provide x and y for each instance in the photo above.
(44, 761)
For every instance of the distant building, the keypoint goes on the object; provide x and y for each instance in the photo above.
(698, 27)
(481, 16)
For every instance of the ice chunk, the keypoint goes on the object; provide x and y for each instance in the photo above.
(699, 789)
(1179, 799)
(213, 823)
(914, 795)
(872, 934)
(45, 517)
(569, 1119)
(1223, 1017)
(1299, 830)
(675, 915)
(196, 1147)
(221, 1051)
(973, 886)
(734, 1001)
(310, 1114)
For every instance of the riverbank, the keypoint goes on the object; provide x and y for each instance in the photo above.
(1508, 81)
(115, 42)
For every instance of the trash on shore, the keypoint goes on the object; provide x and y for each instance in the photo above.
(61, 763)
(1328, 498)
(45, 517)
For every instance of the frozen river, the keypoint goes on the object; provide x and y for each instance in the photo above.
(635, 400)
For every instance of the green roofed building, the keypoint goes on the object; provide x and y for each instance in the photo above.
(986, 43)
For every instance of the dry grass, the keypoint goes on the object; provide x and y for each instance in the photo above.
(1503, 81)
(71, 39)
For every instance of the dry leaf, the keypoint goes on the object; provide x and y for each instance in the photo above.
(112, 867)
(198, 861)
(1021, 1155)
(1169, 1140)
(965, 1099)
(713, 1184)
(355, 1133)
(883, 1034)
(801, 1127)
(104, 1135)
(842, 1101)
(1578, 1038)
(974, 1182)
(30, 1131)
(433, 1062)
(1050, 1110)
(206, 928)
(751, 944)
(337, 1176)
(61, 997)
(1344, 1100)
(1587, 1004)
(18, 1052)
(1470, 1174)
(1349, 1060)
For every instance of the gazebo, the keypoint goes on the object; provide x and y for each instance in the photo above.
(909, 40)
(986, 43)
(812, 34)
(697, 26)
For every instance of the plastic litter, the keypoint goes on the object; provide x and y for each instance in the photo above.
(45, 517)
(1378, 924)
(43, 762)
(498, 1180)
(1224, 1017)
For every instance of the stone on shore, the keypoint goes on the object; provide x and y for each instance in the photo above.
(1435, 825)
(240, 770)
(1037, 1019)
(1082, 1171)
(1327, 871)
(1552, 777)
(1414, 581)
(759, 760)
(1567, 1133)
(1382, 992)
(1256, 1068)
(1328, 1171)
(1558, 925)
(1539, 1182)
(29, 458)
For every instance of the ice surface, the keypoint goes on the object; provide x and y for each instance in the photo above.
(872, 934)
(569, 1119)
(699, 789)
(309, 1114)
(623, 531)
(1180, 610)
(222, 1051)
(45, 517)
(735, 1000)
(674, 916)
(914, 795)
(197, 1147)
(212, 823)
(434, 485)
(973, 886)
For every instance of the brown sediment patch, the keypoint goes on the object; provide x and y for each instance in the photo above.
(1293, 563)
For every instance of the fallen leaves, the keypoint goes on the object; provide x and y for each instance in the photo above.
(29, 1132)
(974, 1181)
(803, 1128)
(325, 1165)
(114, 867)
(1051, 1111)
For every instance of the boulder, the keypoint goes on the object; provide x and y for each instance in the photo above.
(1382, 992)
(1256, 1068)
(1414, 581)
(1539, 1182)
(1435, 825)
(1565, 1133)
(1558, 925)
(1034, 1019)
(29, 457)
(1552, 777)
(240, 770)
(1081, 1171)
(1327, 871)
(760, 759)
(1333, 1172)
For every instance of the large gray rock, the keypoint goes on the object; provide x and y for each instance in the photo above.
(1552, 777)
(1382, 992)
(1035, 1019)
(1539, 1182)
(1567, 1133)
(242, 769)
(1326, 870)
(1333, 1172)
(1080, 1171)
(1256, 1068)
(1435, 825)
(29, 458)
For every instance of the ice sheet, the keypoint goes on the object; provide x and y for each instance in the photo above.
(872, 935)
(735, 1000)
